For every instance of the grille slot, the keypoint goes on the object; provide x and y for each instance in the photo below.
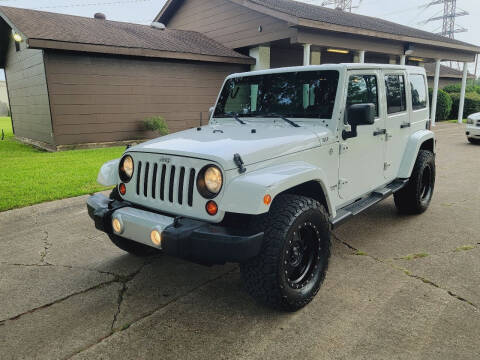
(191, 183)
(172, 184)
(139, 173)
(145, 180)
(180, 185)
(167, 183)
(154, 180)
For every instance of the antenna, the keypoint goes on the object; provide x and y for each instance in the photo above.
(450, 13)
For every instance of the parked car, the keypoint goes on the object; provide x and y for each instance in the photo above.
(288, 155)
(473, 128)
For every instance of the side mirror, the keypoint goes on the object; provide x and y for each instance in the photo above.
(357, 115)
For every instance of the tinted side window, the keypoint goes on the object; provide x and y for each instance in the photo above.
(362, 89)
(419, 91)
(396, 98)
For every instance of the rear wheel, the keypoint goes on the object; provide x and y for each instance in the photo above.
(133, 247)
(473, 141)
(292, 264)
(415, 197)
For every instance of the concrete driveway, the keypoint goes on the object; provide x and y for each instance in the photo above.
(398, 287)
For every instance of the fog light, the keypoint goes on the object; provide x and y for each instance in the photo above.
(156, 238)
(122, 189)
(117, 225)
(211, 208)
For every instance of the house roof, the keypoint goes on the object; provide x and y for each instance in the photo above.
(445, 71)
(58, 31)
(340, 20)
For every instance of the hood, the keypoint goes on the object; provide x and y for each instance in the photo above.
(255, 142)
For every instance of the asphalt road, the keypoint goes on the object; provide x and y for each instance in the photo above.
(399, 287)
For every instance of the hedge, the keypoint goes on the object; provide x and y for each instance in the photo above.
(472, 104)
(456, 88)
(444, 104)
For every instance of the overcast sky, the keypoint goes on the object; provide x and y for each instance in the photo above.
(407, 12)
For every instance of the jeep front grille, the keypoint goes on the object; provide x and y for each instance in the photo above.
(165, 182)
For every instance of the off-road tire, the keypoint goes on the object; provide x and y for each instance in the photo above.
(133, 247)
(416, 196)
(265, 275)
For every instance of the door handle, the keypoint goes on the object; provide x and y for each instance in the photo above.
(380, 132)
(405, 125)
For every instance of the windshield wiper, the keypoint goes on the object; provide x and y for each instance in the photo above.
(235, 116)
(294, 124)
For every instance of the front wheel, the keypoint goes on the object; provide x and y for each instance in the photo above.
(292, 264)
(415, 197)
(473, 141)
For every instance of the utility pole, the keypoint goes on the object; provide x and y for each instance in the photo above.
(345, 5)
(450, 13)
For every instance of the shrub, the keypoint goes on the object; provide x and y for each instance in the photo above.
(456, 88)
(444, 104)
(472, 104)
(158, 124)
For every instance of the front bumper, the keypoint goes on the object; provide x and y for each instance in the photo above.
(189, 239)
(473, 132)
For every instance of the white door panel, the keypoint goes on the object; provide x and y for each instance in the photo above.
(362, 157)
(398, 125)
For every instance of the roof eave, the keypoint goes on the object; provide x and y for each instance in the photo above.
(140, 52)
(296, 21)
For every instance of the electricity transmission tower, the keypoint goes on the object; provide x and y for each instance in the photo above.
(345, 5)
(450, 13)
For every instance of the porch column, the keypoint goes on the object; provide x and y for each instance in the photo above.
(262, 56)
(359, 57)
(316, 57)
(435, 91)
(307, 54)
(403, 59)
(462, 93)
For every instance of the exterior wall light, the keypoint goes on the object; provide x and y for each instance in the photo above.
(17, 37)
(338, 51)
(416, 59)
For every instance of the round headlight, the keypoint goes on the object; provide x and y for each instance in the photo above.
(209, 181)
(126, 169)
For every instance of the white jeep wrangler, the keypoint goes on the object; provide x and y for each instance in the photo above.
(288, 155)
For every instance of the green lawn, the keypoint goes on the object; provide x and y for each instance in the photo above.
(29, 176)
(456, 121)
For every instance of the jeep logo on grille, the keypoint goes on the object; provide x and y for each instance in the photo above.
(164, 160)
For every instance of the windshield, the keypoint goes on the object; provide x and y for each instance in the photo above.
(303, 94)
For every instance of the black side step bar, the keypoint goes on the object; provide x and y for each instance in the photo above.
(363, 204)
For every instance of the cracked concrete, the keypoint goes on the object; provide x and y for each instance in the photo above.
(67, 292)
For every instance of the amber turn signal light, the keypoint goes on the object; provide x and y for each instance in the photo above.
(267, 199)
(122, 189)
(212, 208)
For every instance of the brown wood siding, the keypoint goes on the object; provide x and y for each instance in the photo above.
(103, 98)
(28, 93)
(233, 25)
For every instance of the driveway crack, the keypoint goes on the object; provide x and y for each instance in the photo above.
(408, 273)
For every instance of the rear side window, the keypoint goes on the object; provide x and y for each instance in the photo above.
(396, 98)
(362, 89)
(419, 91)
